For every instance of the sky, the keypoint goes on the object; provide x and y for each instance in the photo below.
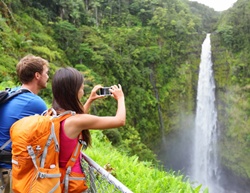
(217, 5)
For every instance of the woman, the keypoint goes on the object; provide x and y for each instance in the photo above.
(67, 87)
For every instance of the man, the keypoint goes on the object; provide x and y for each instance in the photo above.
(32, 72)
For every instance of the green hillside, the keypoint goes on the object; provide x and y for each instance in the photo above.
(138, 176)
(152, 48)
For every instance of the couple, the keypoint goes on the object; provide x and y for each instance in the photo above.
(68, 89)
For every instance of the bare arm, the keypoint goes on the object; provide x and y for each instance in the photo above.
(93, 96)
(75, 124)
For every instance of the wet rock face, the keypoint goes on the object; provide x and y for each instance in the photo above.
(233, 183)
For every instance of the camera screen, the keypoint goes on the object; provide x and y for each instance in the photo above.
(104, 91)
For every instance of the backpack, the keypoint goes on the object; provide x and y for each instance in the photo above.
(6, 95)
(73, 182)
(35, 153)
(9, 93)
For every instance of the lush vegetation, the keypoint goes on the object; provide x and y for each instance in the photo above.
(144, 45)
(231, 51)
(152, 48)
(138, 176)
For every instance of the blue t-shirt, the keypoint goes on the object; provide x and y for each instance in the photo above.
(20, 106)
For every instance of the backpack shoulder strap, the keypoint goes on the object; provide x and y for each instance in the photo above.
(58, 118)
(75, 154)
(6, 95)
(5, 144)
(71, 162)
(9, 94)
(51, 112)
(65, 115)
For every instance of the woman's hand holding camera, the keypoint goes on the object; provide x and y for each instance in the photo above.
(117, 92)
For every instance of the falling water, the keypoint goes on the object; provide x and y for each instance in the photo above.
(205, 166)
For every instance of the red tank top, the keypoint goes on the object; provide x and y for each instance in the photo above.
(67, 146)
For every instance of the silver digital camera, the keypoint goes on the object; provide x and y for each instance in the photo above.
(104, 91)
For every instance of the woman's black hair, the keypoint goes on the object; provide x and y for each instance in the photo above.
(66, 84)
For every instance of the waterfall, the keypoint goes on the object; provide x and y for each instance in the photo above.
(192, 149)
(205, 166)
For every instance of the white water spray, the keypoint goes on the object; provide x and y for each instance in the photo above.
(205, 166)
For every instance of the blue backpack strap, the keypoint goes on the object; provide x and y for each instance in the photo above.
(8, 94)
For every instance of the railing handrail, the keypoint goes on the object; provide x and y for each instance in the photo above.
(106, 174)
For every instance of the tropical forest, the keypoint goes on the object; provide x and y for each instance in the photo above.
(153, 49)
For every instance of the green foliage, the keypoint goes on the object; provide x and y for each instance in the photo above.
(235, 157)
(139, 57)
(152, 48)
(7, 69)
(114, 136)
(206, 17)
(231, 63)
(45, 53)
(137, 176)
(6, 84)
(226, 33)
(235, 23)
